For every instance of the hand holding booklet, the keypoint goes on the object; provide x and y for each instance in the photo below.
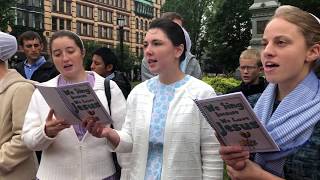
(235, 122)
(75, 103)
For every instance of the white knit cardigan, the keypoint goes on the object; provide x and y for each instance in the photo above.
(190, 150)
(65, 157)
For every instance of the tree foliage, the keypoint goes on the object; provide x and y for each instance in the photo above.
(7, 16)
(228, 34)
(193, 13)
(123, 65)
(312, 6)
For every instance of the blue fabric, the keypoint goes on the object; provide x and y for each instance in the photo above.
(292, 123)
(29, 69)
(183, 65)
(163, 96)
(111, 76)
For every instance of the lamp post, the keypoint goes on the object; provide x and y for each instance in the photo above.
(121, 22)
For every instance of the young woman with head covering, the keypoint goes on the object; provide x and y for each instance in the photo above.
(289, 107)
(167, 135)
(16, 160)
(69, 152)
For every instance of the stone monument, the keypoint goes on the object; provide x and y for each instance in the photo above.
(262, 11)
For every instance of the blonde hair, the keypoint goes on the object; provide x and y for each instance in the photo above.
(251, 54)
(307, 23)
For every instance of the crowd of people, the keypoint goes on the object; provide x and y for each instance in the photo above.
(158, 133)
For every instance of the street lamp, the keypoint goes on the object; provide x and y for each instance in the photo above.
(121, 22)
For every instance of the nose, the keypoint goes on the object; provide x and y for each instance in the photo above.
(267, 51)
(147, 51)
(65, 56)
(92, 66)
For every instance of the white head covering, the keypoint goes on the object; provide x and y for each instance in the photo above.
(315, 17)
(188, 40)
(8, 46)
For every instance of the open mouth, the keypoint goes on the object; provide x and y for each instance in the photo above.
(151, 62)
(67, 66)
(271, 65)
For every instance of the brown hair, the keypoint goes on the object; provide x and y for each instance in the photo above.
(307, 23)
(251, 54)
(172, 15)
(29, 35)
(69, 34)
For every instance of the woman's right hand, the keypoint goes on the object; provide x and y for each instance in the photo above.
(53, 126)
(100, 129)
(234, 156)
(96, 128)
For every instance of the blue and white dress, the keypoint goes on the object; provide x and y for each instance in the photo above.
(163, 96)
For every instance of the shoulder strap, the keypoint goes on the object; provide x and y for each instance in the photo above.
(108, 92)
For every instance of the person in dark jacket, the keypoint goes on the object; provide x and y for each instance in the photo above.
(104, 62)
(250, 68)
(35, 67)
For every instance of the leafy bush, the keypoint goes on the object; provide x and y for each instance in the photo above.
(221, 84)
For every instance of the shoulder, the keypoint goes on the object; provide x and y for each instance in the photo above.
(199, 88)
(235, 89)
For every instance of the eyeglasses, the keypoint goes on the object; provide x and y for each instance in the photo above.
(34, 45)
(249, 68)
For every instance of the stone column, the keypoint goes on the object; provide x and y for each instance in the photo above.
(262, 11)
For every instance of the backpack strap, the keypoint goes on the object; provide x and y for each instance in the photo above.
(114, 156)
(108, 92)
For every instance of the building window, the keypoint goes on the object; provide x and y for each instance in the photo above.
(137, 37)
(61, 6)
(61, 24)
(68, 7)
(32, 20)
(69, 25)
(90, 15)
(54, 5)
(39, 21)
(21, 18)
(137, 23)
(146, 25)
(109, 17)
(78, 28)
(54, 24)
(141, 24)
(78, 10)
(109, 33)
(141, 38)
(84, 11)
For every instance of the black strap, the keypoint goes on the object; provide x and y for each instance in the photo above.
(114, 156)
(108, 92)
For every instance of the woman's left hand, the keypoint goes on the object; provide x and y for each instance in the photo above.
(251, 171)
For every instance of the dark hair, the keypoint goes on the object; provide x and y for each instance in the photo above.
(173, 31)
(69, 34)
(171, 16)
(29, 35)
(107, 56)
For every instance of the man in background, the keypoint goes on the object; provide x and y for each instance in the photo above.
(190, 65)
(104, 62)
(252, 84)
(35, 67)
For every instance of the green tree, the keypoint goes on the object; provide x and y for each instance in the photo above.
(124, 65)
(90, 47)
(193, 13)
(127, 63)
(7, 16)
(312, 6)
(228, 33)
